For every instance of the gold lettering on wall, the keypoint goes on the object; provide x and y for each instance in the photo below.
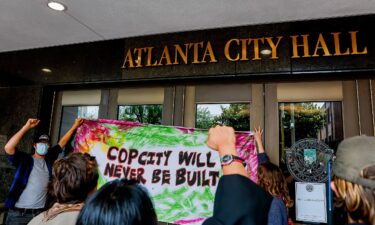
(183, 55)
(305, 46)
(210, 53)
(139, 55)
(196, 51)
(336, 41)
(227, 50)
(149, 56)
(353, 36)
(247, 49)
(321, 44)
(256, 47)
(274, 46)
(165, 56)
(128, 59)
(244, 43)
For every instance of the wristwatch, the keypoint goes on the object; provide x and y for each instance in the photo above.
(228, 159)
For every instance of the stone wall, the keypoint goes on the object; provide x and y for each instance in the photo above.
(17, 105)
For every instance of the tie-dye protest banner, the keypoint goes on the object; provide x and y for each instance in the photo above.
(179, 170)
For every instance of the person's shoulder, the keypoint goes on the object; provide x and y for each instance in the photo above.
(277, 204)
(53, 153)
(56, 147)
(66, 218)
(277, 201)
(277, 215)
(19, 155)
(263, 158)
(37, 220)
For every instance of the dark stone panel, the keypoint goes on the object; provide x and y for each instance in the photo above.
(17, 105)
(6, 178)
(45, 109)
(87, 62)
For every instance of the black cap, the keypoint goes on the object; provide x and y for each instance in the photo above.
(43, 138)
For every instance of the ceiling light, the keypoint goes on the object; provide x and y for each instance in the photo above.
(46, 70)
(265, 52)
(56, 6)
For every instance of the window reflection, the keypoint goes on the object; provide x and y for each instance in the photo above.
(70, 113)
(236, 115)
(319, 120)
(151, 114)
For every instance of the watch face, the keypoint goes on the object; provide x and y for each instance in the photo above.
(226, 159)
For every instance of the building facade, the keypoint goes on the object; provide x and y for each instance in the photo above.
(296, 80)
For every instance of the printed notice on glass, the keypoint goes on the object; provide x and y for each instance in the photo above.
(311, 202)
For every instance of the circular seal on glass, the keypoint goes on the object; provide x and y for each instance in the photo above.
(309, 187)
(307, 160)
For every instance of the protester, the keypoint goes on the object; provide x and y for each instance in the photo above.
(73, 179)
(354, 179)
(237, 201)
(28, 192)
(272, 180)
(119, 202)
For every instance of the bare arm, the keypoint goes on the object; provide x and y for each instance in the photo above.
(258, 133)
(10, 147)
(222, 139)
(64, 140)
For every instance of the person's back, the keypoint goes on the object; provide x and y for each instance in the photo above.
(272, 180)
(277, 215)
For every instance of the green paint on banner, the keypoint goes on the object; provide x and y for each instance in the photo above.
(101, 180)
(164, 136)
(117, 138)
(179, 203)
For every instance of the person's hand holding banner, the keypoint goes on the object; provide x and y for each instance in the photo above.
(223, 139)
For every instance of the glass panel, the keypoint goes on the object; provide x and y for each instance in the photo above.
(236, 115)
(70, 113)
(320, 120)
(151, 114)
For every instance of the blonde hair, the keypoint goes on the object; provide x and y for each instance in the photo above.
(357, 200)
(271, 179)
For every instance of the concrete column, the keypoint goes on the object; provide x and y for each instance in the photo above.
(271, 120)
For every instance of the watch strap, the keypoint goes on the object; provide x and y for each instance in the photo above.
(233, 158)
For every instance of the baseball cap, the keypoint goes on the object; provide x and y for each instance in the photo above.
(44, 138)
(353, 156)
